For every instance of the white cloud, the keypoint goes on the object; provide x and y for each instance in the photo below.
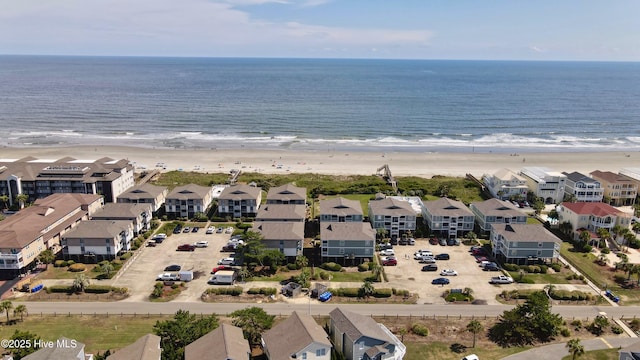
(537, 49)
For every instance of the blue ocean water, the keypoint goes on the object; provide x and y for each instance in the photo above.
(371, 105)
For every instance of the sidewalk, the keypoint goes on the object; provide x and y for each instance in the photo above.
(558, 351)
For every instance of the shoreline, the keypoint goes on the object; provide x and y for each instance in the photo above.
(421, 164)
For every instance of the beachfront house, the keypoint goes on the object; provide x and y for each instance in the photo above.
(224, 343)
(138, 214)
(145, 194)
(524, 243)
(582, 188)
(239, 201)
(545, 183)
(95, 240)
(24, 235)
(591, 217)
(287, 194)
(358, 337)
(506, 184)
(396, 216)
(342, 241)
(188, 200)
(448, 218)
(67, 349)
(619, 190)
(39, 178)
(298, 337)
(633, 173)
(286, 237)
(340, 209)
(146, 347)
(494, 211)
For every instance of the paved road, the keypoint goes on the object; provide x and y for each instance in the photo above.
(558, 351)
(144, 307)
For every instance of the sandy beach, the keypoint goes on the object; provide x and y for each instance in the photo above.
(336, 163)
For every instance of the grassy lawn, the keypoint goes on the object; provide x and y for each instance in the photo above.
(172, 179)
(605, 354)
(543, 278)
(64, 273)
(349, 276)
(584, 263)
(98, 333)
(441, 351)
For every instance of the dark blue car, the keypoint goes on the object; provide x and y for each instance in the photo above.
(440, 281)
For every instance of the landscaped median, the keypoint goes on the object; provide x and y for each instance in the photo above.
(85, 293)
(237, 294)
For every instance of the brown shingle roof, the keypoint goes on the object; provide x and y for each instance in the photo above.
(281, 211)
(121, 211)
(144, 191)
(98, 229)
(287, 192)
(524, 233)
(391, 206)
(240, 192)
(495, 207)
(610, 177)
(340, 206)
(276, 230)
(293, 335)
(347, 231)
(447, 207)
(190, 191)
(145, 348)
(224, 343)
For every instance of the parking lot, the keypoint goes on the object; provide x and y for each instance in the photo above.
(408, 275)
(140, 276)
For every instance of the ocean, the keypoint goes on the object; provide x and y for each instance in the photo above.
(320, 104)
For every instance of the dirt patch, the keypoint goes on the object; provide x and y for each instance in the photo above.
(43, 296)
(244, 298)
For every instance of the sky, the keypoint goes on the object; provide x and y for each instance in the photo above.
(566, 30)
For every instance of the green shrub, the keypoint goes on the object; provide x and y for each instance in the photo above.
(363, 267)
(577, 324)
(451, 297)
(292, 266)
(60, 263)
(419, 330)
(511, 267)
(616, 329)
(126, 255)
(59, 289)
(346, 292)
(116, 263)
(619, 278)
(556, 267)
(325, 275)
(77, 267)
(98, 289)
(634, 324)
(544, 269)
(70, 262)
(262, 291)
(331, 266)
(565, 332)
(525, 280)
(382, 293)
(400, 292)
(605, 250)
(228, 290)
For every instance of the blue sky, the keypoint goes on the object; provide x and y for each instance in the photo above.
(407, 29)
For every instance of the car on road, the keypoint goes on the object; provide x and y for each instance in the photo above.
(195, 229)
(220, 267)
(173, 267)
(389, 261)
(168, 277)
(442, 257)
(448, 272)
(186, 247)
(210, 230)
(430, 267)
(201, 244)
(440, 281)
(220, 230)
(186, 229)
(227, 261)
(387, 252)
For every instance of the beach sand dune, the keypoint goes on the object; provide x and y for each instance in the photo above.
(337, 163)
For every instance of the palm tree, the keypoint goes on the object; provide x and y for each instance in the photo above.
(20, 310)
(575, 348)
(565, 227)
(5, 200)
(80, 283)
(602, 259)
(636, 227)
(376, 271)
(367, 289)
(106, 269)
(474, 327)
(22, 198)
(6, 305)
(302, 261)
(47, 257)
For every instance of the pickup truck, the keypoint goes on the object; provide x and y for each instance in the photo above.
(502, 279)
(168, 277)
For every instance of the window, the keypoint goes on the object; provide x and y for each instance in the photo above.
(321, 352)
(304, 356)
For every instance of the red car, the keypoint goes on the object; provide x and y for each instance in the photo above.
(480, 259)
(390, 261)
(219, 268)
(186, 247)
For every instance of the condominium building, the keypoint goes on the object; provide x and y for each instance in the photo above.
(287, 194)
(145, 194)
(448, 218)
(96, 240)
(520, 243)
(545, 183)
(239, 201)
(341, 241)
(395, 216)
(39, 178)
(188, 200)
(340, 209)
(494, 211)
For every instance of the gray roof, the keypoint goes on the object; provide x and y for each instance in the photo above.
(391, 206)
(447, 207)
(292, 335)
(98, 229)
(190, 191)
(633, 348)
(281, 211)
(59, 353)
(145, 348)
(287, 192)
(576, 177)
(340, 206)
(88, 171)
(524, 233)
(495, 207)
(240, 192)
(224, 343)
(121, 211)
(280, 230)
(347, 231)
(144, 191)
(357, 326)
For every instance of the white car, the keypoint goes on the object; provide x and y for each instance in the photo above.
(387, 252)
(201, 244)
(227, 261)
(168, 277)
(448, 272)
(211, 230)
(423, 252)
(228, 230)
